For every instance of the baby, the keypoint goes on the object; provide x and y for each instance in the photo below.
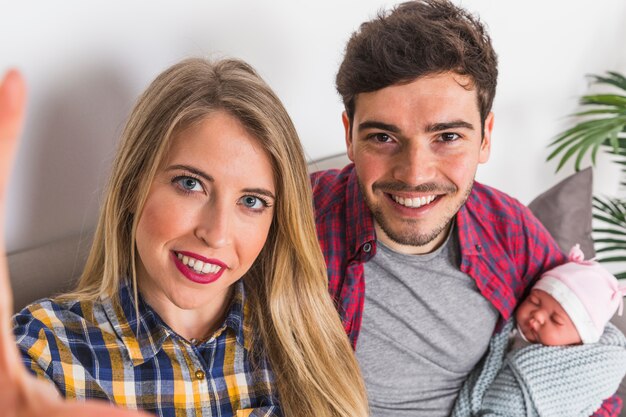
(570, 304)
(560, 356)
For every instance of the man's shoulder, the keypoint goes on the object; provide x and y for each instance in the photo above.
(495, 205)
(491, 214)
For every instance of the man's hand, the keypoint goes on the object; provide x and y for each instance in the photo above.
(21, 394)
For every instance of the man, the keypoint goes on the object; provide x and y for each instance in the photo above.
(423, 263)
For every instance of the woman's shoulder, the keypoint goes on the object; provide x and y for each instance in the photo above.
(59, 317)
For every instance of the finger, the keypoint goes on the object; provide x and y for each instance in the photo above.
(34, 399)
(12, 104)
(12, 109)
(9, 356)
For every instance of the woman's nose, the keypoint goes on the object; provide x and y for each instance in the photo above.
(214, 226)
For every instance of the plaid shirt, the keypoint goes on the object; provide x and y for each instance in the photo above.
(92, 350)
(504, 248)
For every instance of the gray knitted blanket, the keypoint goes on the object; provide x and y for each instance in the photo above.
(545, 381)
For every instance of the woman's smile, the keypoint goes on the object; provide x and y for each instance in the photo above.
(197, 268)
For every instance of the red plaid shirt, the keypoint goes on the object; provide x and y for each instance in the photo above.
(504, 248)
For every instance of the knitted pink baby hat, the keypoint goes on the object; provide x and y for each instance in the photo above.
(588, 293)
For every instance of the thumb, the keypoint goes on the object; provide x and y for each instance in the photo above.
(12, 104)
(12, 109)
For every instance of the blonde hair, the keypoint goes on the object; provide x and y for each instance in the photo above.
(297, 326)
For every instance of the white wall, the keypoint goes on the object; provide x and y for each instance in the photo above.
(86, 62)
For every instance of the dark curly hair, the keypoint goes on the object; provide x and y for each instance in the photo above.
(414, 39)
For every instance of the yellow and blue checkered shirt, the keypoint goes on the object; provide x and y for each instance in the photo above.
(98, 350)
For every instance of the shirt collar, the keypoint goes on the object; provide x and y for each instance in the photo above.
(469, 239)
(143, 335)
(362, 232)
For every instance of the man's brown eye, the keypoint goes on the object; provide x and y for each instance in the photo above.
(449, 137)
(382, 137)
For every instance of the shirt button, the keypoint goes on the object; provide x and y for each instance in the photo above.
(199, 375)
(367, 247)
(479, 248)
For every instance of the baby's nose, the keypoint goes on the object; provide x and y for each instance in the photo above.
(537, 319)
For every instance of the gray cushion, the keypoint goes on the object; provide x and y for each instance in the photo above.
(47, 270)
(335, 161)
(565, 210)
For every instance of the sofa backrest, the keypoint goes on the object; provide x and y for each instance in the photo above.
(53, 268)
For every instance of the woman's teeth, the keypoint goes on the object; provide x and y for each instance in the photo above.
(414, 202)
(198, 266)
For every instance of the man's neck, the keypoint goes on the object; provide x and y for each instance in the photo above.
(429, 247)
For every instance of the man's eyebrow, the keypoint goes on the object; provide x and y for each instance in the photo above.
(438, 127)
(192, 170)
(373, 124)
(435, 127)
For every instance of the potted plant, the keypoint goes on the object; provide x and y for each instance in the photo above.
(601, 126)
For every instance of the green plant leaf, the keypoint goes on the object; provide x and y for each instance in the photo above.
(613, 207)
(600, 124)
(594, 153)
(604, 100)
(582, 150)
(593, 112)
(620, 243)
(582, 137)
(613, 259)
(613, 141)
(614, 78)
(562, 146)
(610, 231)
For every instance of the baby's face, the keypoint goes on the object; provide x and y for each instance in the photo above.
(542, 320)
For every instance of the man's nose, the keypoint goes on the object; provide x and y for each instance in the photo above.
(415, 164)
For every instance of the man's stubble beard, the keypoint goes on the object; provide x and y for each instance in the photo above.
(408, 235)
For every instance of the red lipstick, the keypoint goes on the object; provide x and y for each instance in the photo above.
(194, 276)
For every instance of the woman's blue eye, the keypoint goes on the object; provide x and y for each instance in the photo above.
(188, 183)
(252, 202)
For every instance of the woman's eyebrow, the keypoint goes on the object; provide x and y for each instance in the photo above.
(191, 169)
(261, 191)
(208, 177)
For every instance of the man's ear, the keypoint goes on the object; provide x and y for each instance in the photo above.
(485, 145)
(348, 135)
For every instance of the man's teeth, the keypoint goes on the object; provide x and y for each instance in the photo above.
(414, 202)
(198, 266)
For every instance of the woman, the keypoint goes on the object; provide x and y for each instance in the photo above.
(205, 289)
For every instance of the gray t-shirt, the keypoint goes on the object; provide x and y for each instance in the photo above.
(425, 326)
